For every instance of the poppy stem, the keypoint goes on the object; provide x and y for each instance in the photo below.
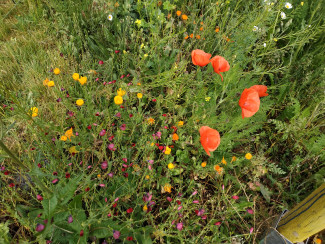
(199, 74)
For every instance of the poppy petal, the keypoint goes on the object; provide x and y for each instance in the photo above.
(261, 89)
(210, 139)
(200, 57)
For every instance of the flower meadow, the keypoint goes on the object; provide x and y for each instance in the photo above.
(158, 121)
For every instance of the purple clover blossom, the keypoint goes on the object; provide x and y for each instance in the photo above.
(179, 226)
(116, 234)
(70, 219)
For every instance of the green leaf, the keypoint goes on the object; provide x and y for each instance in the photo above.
(266, 193)
(49, 206)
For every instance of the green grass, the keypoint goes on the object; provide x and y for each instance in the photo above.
(285, 136)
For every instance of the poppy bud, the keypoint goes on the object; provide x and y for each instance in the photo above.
(220, 64)
(200, 58)
(210, 139)
(249, 102)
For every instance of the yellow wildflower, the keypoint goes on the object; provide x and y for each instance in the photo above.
(275, 39)
(139, 84)
(175, 137)
(63, 138)
(180, 123)
(98, 176)
(168, 188)
(217, 30)
(178, 13)
(34, 111)
(92, 72)
(124, 52)
(184, 17)
(46, 81)
(56, 71)
(50, 83)
(116, 5)
(302, 3)
(151, 121)
(121, 92)
(73, 150)
(145, 208)
(146, 55)
(69, 133)
(75, 76)
(248, 156)
(142, 46)
(207, 99)
(233, 159)
(152, 144)
(147, 177)
(82, 80)
(171, 166)
(168, 150)
(138, 22)
(80, 102)
(139, 95)
(203, 164)
(118, 100)
(224, 161)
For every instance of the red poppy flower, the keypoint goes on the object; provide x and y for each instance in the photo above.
(210, 139)
(261, 89)
(220, 64)
(130, 210)
(129, 238)
(249, 102)
(200, 58)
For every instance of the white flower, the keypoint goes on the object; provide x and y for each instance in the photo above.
(255, 28)
(110, 17)
(288, 5)
(283, 15)
(264, 44)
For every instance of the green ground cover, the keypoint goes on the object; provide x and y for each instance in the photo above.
(117, 156)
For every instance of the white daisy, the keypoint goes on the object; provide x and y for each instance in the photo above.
(264, 44)
(288, 5)
(255, 28)
(283, 15)
(110, 17)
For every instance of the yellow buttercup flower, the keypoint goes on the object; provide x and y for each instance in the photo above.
(171, 166)
(56, 71)
(80, 102)
(75, 76)
(69, 133)
(203, 164)
(180, 123)
(118, 100)
(82, 80)
(50, 83)
(145, 208)
(168, 150)
(146, 55)
(168, 188)
(248, 156)
(139, 95)
(207, 99)
(121, 92)
(63, 138)
(138, 22)
(302, 3)
(147, 177)
(34, 111)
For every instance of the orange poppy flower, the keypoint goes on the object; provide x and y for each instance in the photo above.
(186, 37)
(249, 102)
(210, 139)
(184, 17)
(261, 89)
(200, 58)
(191, 36)
(198, 36)
(220, 65)
(178, 13)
